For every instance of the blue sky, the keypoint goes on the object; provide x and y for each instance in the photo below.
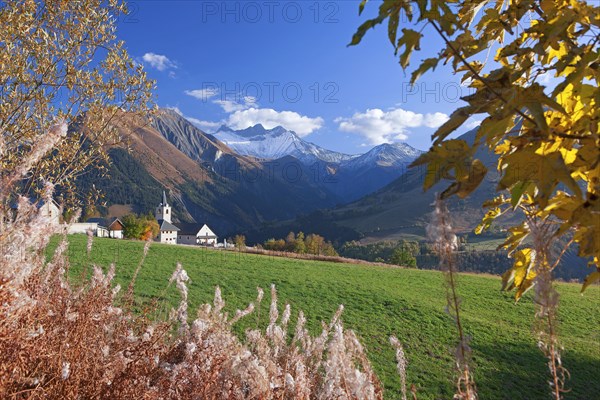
(287, 63)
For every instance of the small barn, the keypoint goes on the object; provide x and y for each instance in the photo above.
(115, 229)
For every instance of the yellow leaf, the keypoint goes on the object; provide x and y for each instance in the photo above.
(591, 278)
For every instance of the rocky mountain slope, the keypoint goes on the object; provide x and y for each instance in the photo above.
(206, 180)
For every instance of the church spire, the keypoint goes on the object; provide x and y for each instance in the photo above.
(163, 211)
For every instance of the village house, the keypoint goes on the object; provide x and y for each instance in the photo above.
(113, 227)
(182, 233)
(50, 210)
(100, 227)
(196, 234)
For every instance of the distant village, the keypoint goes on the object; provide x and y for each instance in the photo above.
(169, 232)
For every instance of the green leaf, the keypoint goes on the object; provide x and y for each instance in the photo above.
(516, 193)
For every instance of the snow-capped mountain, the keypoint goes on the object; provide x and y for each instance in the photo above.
(349, 176)
(257, 141)
(385, 155)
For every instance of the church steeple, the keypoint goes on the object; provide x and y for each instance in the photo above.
(163, 211)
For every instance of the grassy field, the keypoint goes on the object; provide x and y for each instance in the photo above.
(379, 302)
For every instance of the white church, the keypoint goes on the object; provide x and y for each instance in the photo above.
(198, 234)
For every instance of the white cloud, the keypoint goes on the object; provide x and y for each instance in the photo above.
(378, 126)
(202, 94)
(434, 120)
(545, 78)
(230, 106)
(270, 118)
(204, 125)
(471, 124)
(158, 61)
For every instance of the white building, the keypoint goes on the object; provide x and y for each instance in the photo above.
(115, 229)
(83, 227)
(50, 210)
(196, 234)
(168, 231)
(206, 236)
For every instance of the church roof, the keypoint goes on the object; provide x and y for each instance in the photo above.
(192, 229)
(188, 228)
(166, 226)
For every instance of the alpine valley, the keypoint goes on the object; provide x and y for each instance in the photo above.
(237, 180)
(264, 183)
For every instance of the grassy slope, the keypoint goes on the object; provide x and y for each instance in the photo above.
(380, 302)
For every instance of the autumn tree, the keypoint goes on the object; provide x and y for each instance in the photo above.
(545, 135)
(240, 242)
(314, 243)
(60, 62)
(300, 246)
(290, 241)
(141, 227)
(275, 245)
(151, 227)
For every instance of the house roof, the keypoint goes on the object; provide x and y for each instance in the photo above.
(39, 203)
(105, 222)
(188, 228)
(116, 228)
(166, 226)
(192, 229)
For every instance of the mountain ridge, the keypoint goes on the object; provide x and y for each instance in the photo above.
(260, 142)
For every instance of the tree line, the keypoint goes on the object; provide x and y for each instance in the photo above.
(301, 244)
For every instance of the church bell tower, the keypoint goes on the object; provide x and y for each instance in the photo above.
(163, 211)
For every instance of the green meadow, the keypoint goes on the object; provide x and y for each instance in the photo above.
(379, 302)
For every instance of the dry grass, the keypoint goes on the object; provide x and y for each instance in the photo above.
(62, 341)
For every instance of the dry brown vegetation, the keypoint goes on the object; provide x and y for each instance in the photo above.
(60, 340)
